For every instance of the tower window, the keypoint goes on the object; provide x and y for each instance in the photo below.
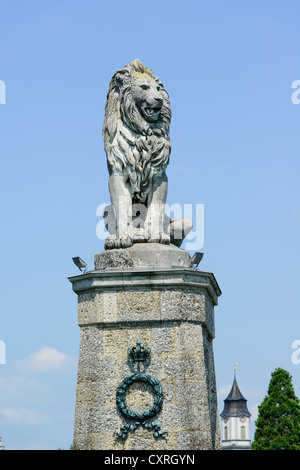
(243, 432)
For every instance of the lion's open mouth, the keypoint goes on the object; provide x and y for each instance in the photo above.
(150, 112)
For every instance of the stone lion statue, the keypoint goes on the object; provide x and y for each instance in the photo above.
(137, 145)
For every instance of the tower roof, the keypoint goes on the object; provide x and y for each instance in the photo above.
(235, 403)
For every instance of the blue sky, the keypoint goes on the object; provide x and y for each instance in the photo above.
(229, 68)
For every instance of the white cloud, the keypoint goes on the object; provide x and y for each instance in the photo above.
(224, 391)
(254, 412)
(23, 416)
(183, 169)
(14, 387)
(47, 359)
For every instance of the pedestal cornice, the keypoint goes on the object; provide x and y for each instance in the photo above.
(133, 278)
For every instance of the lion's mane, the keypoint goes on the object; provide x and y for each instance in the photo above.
(132, 143)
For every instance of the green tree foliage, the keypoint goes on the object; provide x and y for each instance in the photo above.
(278, 422)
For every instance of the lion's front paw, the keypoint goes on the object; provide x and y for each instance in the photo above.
(125, 241)
(163, 238)
(110, 242)
(154, 238)
(113, 241)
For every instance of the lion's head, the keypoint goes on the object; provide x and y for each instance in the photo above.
(136, 126)
(147, 96)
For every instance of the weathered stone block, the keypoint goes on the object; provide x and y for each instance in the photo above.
(139, 305)
(90, 308)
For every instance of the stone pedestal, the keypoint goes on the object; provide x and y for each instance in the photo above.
(152, 294)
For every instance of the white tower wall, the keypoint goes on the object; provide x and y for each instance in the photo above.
(236, 432)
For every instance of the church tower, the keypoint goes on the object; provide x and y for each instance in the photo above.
(235, 423)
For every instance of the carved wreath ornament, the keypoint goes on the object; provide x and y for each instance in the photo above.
(138, 354)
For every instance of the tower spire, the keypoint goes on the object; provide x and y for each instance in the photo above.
(235, 419)
(234, 368)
